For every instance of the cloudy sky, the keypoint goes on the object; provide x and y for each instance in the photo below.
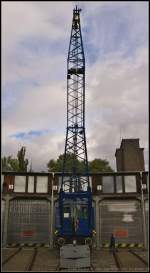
(35, 40)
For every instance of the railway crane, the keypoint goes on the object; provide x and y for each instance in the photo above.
(75, 197)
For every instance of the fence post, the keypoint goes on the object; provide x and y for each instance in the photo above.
(5, 224)
(143, 213)
(97, 223)
(52, 213)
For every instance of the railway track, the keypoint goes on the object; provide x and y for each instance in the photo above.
(9, 256)
(139, 257)
(103, 261)
(20, 260)
(130, 261)
(24, 259)
(32, 260)
(44, 259)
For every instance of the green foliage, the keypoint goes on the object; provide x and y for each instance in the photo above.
(23, 163)
(100, 165)
(9, 164)
(57, 165)
(13, 164)
(96, 165)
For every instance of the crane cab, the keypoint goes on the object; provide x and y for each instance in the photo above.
(76, 221)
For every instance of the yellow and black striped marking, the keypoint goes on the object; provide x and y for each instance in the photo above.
(124, 245)
(28, 245)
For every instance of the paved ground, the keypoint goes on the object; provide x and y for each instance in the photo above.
(103, 261)
(128, 261)
(142, 254)
(44, 259)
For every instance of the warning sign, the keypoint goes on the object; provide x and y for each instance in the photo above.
(121, 233)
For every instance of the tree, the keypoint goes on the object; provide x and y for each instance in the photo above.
(23, 163)
(57, 165)
(99, 165)
(18, 164)
(9, 164)
(96, 165)
(5, 166)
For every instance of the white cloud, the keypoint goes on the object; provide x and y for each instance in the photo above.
(23, 21)
(118, 101)
(39, 107)
(34, 76)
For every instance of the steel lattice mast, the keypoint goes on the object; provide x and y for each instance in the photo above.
(75, 145)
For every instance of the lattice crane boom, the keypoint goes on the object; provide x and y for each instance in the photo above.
(75, 145)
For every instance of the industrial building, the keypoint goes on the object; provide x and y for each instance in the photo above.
(30, 201)
(130, 157)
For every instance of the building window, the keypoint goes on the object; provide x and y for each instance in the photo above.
(84, 180)
(55, 187)
(146, 206)
(99, 187)
(130, 183)
(42, 184)
(11, 187)
(144, 186)
(60, 181)
(119, 188)
(90, 182)
(30, 183)
(66, 185)
(108, 184)
(20, 183)
(145, 182)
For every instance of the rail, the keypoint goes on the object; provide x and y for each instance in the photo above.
(117, 261)
(27, 264)
(139, 257)
(92, 268)
(122, 263)
(11, 256)
(31, 261)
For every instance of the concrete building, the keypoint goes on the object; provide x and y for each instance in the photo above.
(130, 157)
(30, 208)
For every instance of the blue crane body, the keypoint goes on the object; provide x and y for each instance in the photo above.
(75, 213)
